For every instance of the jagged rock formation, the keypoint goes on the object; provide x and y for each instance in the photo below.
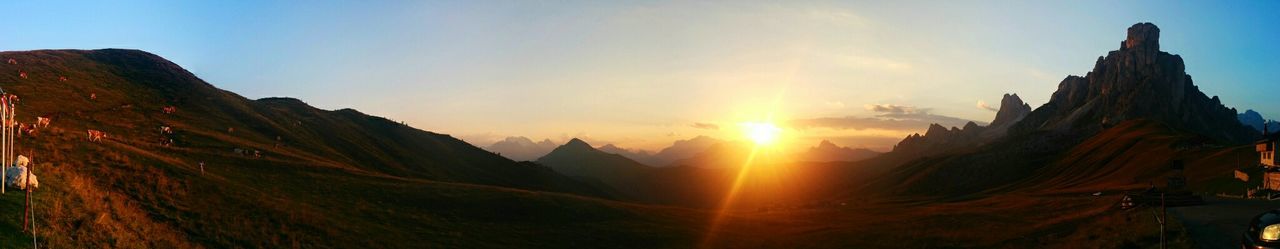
(1137, 81)
(1135, 87)
(1012, 110)
(522, 148)
(938, 139)
(1254, 119)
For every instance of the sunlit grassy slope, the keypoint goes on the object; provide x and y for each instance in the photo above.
(326, 179)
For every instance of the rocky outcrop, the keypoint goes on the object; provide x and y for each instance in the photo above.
(521, 148)
(1012, 110)
(1136, 82)
(938, 139)
(1254, 120)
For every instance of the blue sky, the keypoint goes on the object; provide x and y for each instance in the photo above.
(639, 74)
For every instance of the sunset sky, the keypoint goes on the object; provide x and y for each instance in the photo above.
(642, 74)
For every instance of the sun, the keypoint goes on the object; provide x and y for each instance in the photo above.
(762, 133)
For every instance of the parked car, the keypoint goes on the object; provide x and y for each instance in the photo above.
(1263, 232)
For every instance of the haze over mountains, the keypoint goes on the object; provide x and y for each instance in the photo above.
(522, 148)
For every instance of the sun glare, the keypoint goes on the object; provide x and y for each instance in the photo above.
(761, 133)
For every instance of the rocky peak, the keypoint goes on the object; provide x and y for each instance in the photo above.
(576, 144)
(611, 147)
(1011, 110)
(935, 130)
(827, 145)
(1136, 82)
(1142, 36)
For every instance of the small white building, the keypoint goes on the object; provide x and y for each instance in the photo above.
(1266, 148)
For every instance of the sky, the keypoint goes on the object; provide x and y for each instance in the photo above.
(645, 73)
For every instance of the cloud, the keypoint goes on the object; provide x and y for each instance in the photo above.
(891, 117)
(983, 105)
(706, 126)
(887, 108)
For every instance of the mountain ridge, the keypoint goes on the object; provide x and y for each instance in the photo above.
(274, 169)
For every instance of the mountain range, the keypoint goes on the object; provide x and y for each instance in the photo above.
(1137, 83)
(1254, 120)
(324, 178)
(938, 139)
(521, 148)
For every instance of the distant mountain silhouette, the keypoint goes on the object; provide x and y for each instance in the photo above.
(680, 149)
(826, 151)
(642, 156)
(938, 139)
(522, 148)
(321, 178)
(577, 158)
(1254, 119)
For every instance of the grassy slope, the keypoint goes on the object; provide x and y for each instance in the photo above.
(339, 179)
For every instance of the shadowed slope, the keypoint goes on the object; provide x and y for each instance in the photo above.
(325, 178)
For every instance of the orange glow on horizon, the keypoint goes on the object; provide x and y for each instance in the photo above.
(762, 133)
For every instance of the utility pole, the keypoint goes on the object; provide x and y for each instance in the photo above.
(1164, 216)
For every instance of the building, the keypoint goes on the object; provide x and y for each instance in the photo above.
(1266, 148)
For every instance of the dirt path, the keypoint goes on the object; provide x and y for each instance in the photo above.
(1220, 223)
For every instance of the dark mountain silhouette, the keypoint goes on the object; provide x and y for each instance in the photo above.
(522, 148)
(682, 149)
(579, 159)
(324, 178)
(1136, 83)
(826, 151)
(642, 156)
(1254, 119)
(940, 140)
(1012, 110)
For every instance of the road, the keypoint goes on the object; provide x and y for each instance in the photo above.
(1219, 223)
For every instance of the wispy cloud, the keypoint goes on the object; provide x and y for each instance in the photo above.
(888, 108)
(983, 105)
(705, 126)
(890, 117)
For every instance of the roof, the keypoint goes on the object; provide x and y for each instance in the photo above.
(1268, 138)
